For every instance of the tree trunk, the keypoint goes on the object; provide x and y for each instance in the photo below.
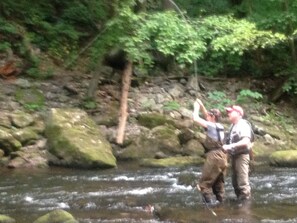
(126, 81)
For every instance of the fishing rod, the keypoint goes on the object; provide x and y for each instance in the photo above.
(204, 201)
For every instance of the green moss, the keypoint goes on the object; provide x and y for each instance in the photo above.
(286, 158)
(32, 99)
(172, 161)
(153, 120)
(57, 216)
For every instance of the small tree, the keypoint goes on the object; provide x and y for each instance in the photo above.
(139, 35)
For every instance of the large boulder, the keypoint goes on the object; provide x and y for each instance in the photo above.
(76, 140)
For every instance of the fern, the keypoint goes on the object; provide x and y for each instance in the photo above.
(247, 95)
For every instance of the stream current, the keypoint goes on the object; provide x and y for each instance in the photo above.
(125, 193)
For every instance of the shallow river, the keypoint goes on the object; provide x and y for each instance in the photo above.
(123, 194)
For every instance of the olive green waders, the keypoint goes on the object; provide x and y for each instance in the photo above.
(214, 171)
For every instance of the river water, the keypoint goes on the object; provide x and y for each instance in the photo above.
(123, 195)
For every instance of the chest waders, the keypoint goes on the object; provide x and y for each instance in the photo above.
(214, 170)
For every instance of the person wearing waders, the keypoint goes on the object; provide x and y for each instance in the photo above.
(215, 165)
(238, 146)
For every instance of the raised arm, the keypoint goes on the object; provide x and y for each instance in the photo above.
(196, 117)
(203, 109)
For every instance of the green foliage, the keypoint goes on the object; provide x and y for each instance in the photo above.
(57, 27)
(227, 39)
(196, 8)
(6, 27)
(163, 32)
(247, 95)
(171, 106)
(4, 46)
(219, 99)
(89, 104)
(291, 85)
(37, 73)
(222, 38)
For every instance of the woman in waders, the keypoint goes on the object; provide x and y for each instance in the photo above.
(214, 169)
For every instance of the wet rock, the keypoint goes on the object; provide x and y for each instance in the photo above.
(56, 216)
(29, 157)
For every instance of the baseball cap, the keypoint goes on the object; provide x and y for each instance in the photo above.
(235, 108)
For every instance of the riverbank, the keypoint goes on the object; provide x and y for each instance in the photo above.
(156, 102)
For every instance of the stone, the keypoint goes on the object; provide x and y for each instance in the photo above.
(56, 216)
(76, 140)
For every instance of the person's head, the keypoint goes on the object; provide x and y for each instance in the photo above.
(234, 112)
(214, 115)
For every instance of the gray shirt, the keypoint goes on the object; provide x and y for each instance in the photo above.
(213, 129)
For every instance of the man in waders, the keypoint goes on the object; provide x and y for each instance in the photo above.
(214, 169)
(238, 145)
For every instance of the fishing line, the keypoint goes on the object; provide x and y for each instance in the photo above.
(182, 14)
(204, 201)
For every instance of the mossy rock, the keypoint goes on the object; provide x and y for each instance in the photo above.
(167, 139)
(173, 162)
(7, 142)
(153, 120)
(285, 158)
(56, 216)
(141, 147)
(74, 138)
(263, 151)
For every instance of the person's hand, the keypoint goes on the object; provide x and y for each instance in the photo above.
(196, 106)
(199, 101)
(228, 148)
(196, 110)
